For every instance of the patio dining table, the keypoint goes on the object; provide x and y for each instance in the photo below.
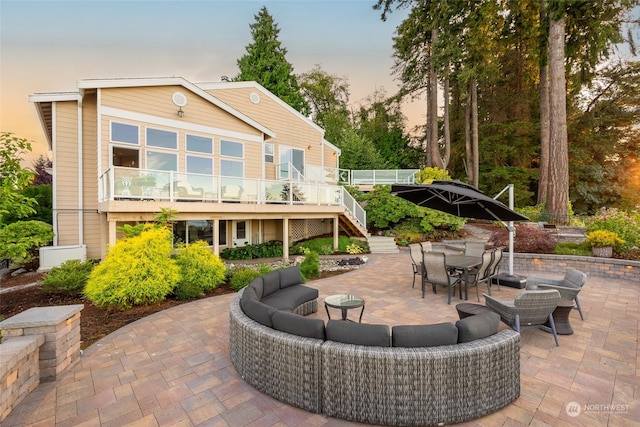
(465, 263)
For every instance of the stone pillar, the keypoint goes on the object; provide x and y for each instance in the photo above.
(60, 326)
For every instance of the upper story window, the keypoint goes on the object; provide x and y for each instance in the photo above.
(164, 161)
(162, 138)
(268, 153)
(199, 144)
(121, 132)
(202, 165)
(231, 149)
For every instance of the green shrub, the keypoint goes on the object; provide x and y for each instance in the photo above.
(242, 276)
(21, 241)
(577, 249)
(310, 267)
(433, 220)
(136, 271)
(625, 224)
(324, 245)
(200, 270)
(384, 209)
(272, 249)
(71, 276)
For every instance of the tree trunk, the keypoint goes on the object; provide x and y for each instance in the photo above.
(447, 130)
(474, 126)
(543, 174)
(436, 160)
(467, 134)
(543, 166)
(427, 131)
(558, 187)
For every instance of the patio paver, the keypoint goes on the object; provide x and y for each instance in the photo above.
(173, 368)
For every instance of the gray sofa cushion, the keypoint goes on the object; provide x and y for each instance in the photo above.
(358, 333)
(258, 311)
(249, 293)
(291, 297)
(290, 276)
(478, 326)
(271, 282)
(574, 279)
(298, 325)
(257, 285)
(424, 335)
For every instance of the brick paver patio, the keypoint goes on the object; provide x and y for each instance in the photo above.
(173, 369)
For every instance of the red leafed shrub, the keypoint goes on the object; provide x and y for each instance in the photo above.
(527, 240)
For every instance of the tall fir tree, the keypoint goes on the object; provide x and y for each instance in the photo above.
(265, 62)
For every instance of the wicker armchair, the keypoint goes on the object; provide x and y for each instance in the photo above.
(530, 308)
(569, 286)
(436, 273)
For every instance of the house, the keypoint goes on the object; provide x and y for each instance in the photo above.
(238, 164)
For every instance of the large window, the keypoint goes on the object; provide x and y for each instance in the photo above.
(199, 144)
(231, 149)
(162, 138)
(203, 165)
(231, 168)
(192, 231)
(162, 161)
(121, 132)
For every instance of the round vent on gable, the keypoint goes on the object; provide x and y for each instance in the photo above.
(179, 99)
(254, 97)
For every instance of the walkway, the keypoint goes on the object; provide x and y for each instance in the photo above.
(173, 369)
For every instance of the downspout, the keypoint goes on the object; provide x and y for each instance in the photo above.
(80, 174)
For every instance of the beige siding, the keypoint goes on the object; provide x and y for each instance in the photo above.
(91, 219)
(66, 172)
(291, 130)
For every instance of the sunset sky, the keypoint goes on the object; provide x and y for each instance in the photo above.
(48, 46)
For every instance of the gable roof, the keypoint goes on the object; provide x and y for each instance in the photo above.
(173, 81)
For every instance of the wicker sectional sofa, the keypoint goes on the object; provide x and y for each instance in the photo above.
(372, 373)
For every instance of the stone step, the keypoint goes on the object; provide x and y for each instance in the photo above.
(382, 245)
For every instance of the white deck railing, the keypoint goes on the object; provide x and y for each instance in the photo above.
(121, 183)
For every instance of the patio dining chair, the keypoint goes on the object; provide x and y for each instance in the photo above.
(415, 252)
(494, 268)
(481, 274)
(528, 309)
(474, 248)
(437, 274)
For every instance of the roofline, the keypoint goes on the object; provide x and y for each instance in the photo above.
(258, 86)
(172, 81)
(331, 146)
(54, 96)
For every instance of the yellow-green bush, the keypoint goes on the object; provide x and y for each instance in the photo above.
(200, 270)
(136, 271)
(242, 276)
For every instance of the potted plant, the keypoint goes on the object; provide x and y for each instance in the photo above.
(603, 241)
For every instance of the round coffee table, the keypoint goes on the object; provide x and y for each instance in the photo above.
(344, 303)
(466, 309)
(561, 318)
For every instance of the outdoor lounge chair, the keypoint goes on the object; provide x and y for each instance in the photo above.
(569, 286)
(530, 308)
(436, 273)
(184, 189)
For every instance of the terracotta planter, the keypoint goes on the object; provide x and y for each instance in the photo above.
(605, 252)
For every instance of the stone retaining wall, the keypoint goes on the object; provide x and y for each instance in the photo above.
(558, 264)
(37, 345)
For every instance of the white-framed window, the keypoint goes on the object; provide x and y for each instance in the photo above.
(232, 149)
(162, 138)
(232, 168)
(125, 133)
(201, 165)
(268, 153)
(191, 231)
(159, 160)
(199, 144)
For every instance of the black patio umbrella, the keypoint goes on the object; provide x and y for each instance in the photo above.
(456, 198)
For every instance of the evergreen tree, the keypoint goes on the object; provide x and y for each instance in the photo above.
(265, 62)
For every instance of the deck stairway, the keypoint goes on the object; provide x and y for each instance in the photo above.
(382, 245)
